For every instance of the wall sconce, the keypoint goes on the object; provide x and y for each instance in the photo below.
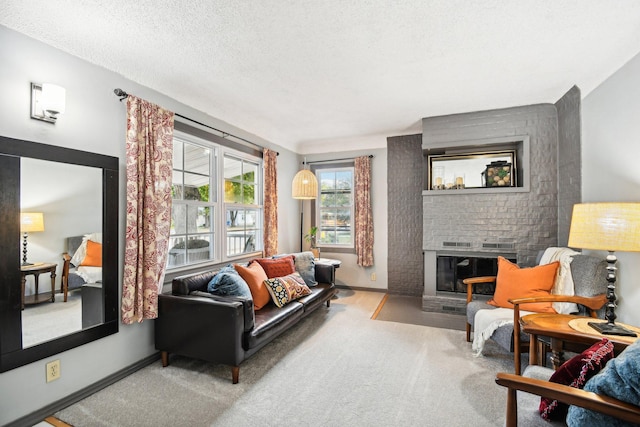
(47, 101)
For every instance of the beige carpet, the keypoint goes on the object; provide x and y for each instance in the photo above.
(47, 321)
(336, 368)
(407, 309)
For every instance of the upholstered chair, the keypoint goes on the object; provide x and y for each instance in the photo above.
(590, 283)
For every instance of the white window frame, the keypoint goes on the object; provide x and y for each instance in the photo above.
(258, 206)
(216, 200)
(318, 218)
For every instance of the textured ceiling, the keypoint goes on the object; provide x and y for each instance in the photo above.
(333, 75)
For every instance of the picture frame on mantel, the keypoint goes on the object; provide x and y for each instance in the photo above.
(481, 169)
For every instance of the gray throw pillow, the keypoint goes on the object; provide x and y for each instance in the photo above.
(228, 283)
(619, 379)
(305, 266)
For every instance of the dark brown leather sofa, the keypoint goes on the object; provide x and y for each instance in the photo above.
(194, 323)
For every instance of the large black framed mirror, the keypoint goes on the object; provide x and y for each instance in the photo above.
(31, 171)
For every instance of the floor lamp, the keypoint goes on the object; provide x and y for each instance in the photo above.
(304, 187)
(610, 227)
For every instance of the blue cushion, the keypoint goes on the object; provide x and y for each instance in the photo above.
(620, 379)
(228, 283)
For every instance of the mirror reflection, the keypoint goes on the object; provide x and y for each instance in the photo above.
(68, 198)
(472, 170)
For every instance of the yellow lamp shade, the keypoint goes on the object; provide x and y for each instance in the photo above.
(606, 226)
(305, 185)
(31, 221)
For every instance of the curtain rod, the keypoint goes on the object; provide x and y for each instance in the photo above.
(333, 160)
(123, 95)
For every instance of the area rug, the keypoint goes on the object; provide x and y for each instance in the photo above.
(336, 368)
(408, 309)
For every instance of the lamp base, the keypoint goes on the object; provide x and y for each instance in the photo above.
(611, 329)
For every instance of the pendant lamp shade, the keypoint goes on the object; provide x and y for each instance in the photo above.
(305, 185)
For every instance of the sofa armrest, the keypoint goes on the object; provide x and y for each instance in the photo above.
(201, 328)
(325, 273)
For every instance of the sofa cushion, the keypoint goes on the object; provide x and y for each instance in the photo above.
(575, 372)
(306, 266)
(319, 294)
(229, 283)
(620, 379)
(285, 289)
(255, 276)
(277, 267)
(515, 282)
(272, 321)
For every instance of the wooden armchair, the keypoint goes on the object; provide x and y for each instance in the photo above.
(572, 396)
(589, 277)
(593, 304)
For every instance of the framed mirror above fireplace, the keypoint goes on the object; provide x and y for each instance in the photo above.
(496, 165)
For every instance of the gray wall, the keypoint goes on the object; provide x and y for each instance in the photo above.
(404, 193)
(528, 218)
(94, 121)
(610, 170)
(569, 164)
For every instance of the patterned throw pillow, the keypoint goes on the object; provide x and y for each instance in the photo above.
(228, 283)
(285, 289)
(277, 267)
(575, 372)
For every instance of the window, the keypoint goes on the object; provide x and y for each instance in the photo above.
(335, 208)
(201, 170)
(243, 215)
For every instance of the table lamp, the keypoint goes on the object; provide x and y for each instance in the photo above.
(29, 221)
(610, 227)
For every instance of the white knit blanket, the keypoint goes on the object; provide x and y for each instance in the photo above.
(564, 280)
(486, 322)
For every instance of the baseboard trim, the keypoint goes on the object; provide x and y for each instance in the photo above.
(37, 416)
(361, 288)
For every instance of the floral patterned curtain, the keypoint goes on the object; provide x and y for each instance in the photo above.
(149, 148)
(270, 159)
(364, 218)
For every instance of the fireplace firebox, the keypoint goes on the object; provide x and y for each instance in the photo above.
(451, 270)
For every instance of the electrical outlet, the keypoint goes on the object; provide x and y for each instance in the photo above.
(53, 370)
(373, 277)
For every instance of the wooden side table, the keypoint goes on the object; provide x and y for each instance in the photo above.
(36, 270)
(566, 328)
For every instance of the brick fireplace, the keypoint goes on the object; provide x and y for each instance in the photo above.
(484, 223)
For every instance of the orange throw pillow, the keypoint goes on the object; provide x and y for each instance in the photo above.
(94, 255)
(255, 276)
(515, 282)
(277, 267)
